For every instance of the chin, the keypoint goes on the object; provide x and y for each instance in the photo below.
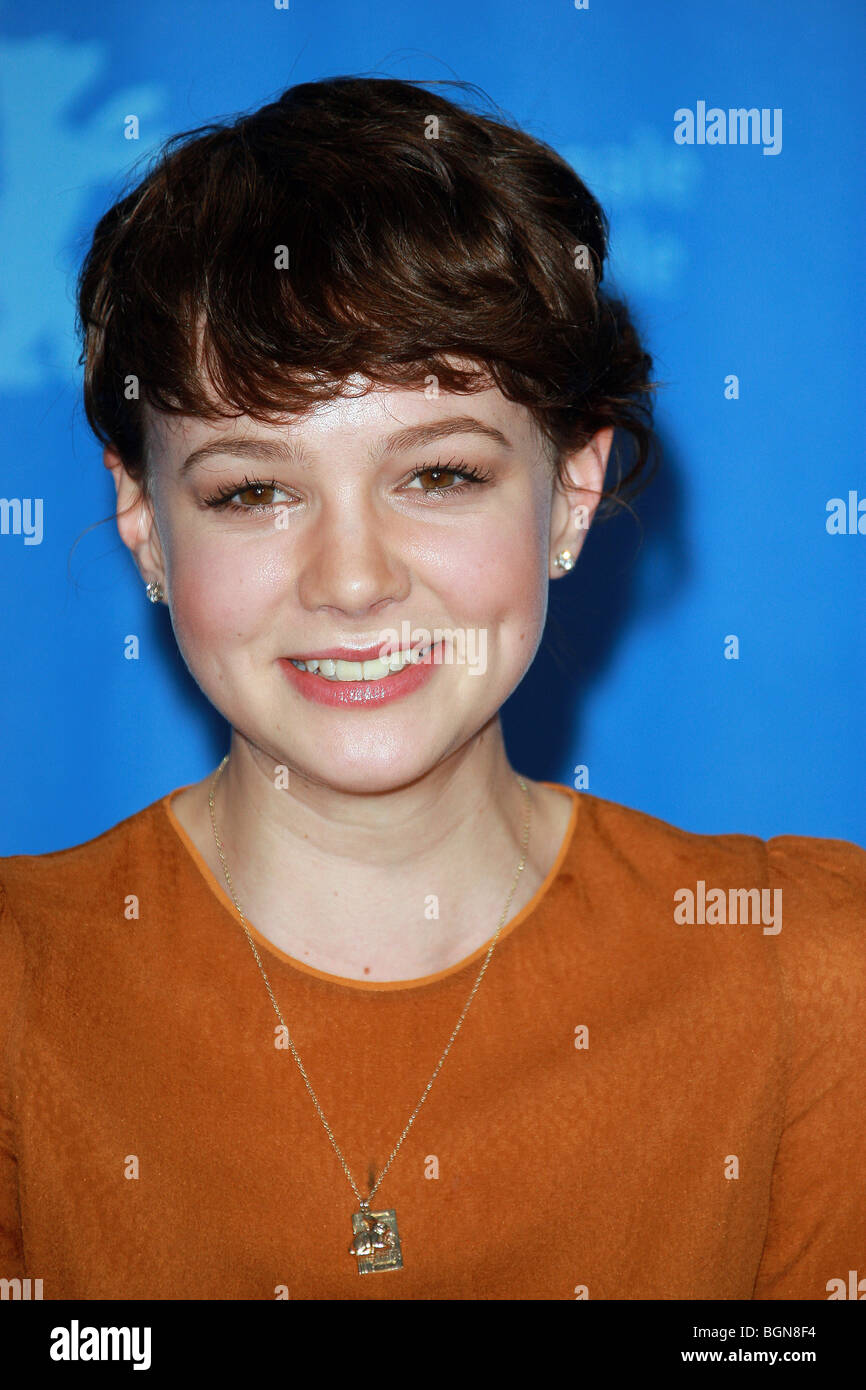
(364, 777)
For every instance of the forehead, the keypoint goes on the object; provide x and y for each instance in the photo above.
(366, 415)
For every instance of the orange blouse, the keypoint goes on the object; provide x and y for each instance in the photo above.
(638, 1105)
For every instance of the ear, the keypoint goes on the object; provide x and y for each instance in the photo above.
(135, 519)
(575, 504)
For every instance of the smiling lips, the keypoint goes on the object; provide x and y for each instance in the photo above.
(336, 665)
(337, 683)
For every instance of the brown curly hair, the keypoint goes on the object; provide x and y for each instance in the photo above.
(413, 230)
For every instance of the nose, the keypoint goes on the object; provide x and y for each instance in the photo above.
(349, 561)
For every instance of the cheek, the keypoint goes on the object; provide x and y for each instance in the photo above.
(499, 575)
(220, 594)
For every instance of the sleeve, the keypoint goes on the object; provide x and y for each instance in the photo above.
(11, 977)
(815, 1243)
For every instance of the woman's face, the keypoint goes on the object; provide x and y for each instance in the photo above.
(331, 542)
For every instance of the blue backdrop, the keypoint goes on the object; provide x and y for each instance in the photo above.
(743, 262)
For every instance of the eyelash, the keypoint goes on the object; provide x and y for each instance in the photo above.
(223, 498)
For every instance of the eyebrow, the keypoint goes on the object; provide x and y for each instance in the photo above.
(287, 451)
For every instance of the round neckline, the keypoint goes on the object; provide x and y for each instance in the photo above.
(347, 981)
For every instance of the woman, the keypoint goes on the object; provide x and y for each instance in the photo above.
(365, 1000)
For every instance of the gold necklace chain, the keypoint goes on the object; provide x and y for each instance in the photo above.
(365, 1203)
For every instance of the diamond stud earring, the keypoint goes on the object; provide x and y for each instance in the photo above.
(154, 591)
(564, 560)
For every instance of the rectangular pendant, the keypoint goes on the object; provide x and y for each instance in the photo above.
(376, 1245)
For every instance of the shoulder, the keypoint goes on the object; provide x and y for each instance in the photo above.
(821, 890)
(815, 886)
(66, 885)
(828, 866)
(822, 877)
(643, 847)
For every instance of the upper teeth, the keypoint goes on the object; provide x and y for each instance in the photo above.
(361, 670)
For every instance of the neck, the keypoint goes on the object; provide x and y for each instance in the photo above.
(350, 883)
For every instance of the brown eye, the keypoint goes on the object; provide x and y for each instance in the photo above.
(439, 476)
(254, 497)
(255, 493)
(435, 481)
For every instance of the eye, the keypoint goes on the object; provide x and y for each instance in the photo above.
(251, 488)
(442, 480)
